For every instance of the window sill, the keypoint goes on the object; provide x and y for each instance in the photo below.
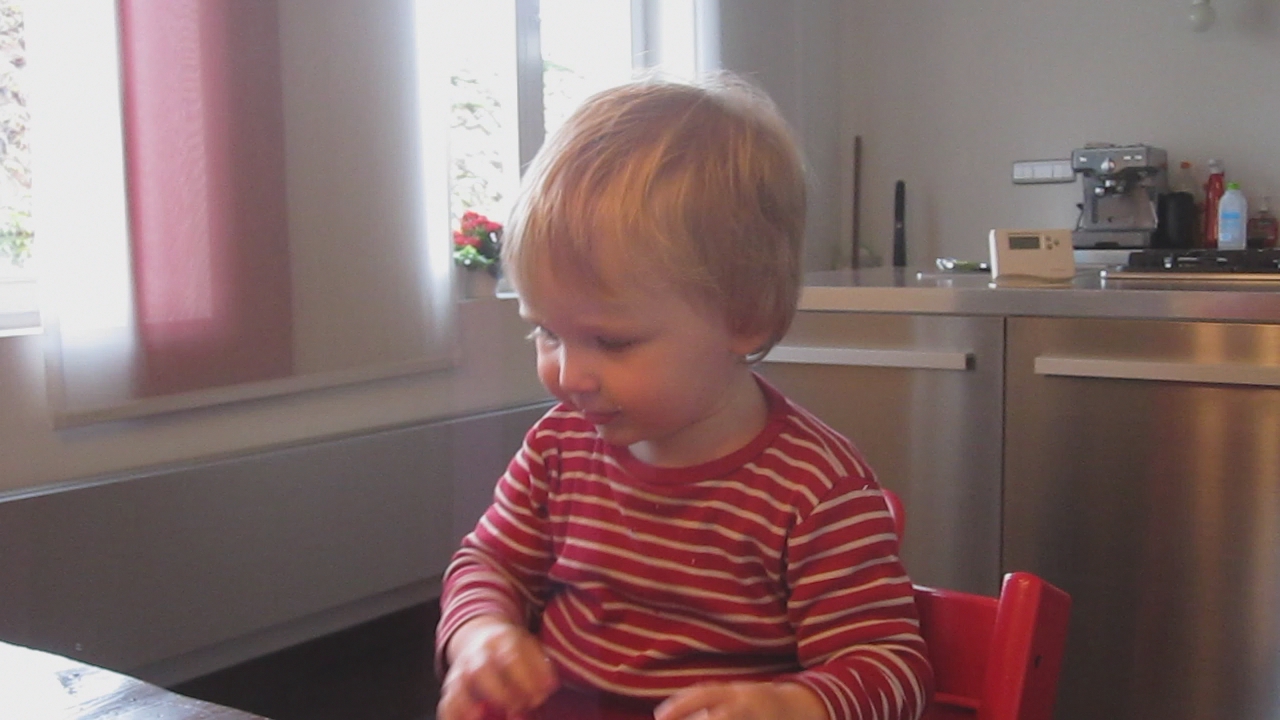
(19, 306)
(19, 324)
(20, 316)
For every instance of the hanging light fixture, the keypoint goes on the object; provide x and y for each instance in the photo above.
(1201, 15)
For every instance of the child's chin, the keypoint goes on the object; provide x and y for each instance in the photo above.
(615, 434)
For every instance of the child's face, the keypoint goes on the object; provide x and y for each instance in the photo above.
(650, 369)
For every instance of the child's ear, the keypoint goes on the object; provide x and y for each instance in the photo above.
(745, 344)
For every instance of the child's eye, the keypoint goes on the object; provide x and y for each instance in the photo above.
(614, 344)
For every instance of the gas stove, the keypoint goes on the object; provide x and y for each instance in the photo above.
(1201, 264)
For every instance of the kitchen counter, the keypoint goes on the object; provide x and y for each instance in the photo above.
(1092, 294)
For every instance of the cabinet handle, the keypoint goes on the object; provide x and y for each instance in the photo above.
(864, 357)
(1207, 373)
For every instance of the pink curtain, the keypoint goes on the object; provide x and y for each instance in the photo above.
(204, 145)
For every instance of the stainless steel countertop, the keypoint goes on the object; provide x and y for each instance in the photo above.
(1089, 295)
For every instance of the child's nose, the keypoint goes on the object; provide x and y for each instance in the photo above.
(577, 373)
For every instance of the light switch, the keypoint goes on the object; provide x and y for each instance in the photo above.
(1028, 172)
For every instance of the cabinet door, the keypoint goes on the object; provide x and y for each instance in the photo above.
(1143, 477)
(921, 398)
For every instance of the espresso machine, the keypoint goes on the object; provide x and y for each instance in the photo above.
(1123, 185)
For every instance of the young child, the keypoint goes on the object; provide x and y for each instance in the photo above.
(675, 539)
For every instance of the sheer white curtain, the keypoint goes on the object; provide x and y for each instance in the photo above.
(275, 218)
(79, 209)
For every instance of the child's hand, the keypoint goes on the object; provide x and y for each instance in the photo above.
(494, 666)
(743, 701)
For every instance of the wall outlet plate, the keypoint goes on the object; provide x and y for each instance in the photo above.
(1036, 172)
(1032, 254)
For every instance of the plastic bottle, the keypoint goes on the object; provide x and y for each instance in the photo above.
(1233, 214)
(1213, 190)
(1264, 228)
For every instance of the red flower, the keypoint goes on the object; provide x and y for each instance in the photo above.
(471, 221)
(475, 243)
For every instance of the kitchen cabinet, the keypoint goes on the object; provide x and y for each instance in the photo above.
(921, 396)
(1133, 462)
(1138, 431)
(1142, 473)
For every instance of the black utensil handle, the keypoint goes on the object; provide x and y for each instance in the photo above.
(900, 224)
(857, 202)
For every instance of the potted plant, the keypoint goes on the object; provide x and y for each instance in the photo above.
(475, 252)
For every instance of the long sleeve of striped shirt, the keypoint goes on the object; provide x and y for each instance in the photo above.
(777, 562)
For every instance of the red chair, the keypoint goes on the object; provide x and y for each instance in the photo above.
(993, 658)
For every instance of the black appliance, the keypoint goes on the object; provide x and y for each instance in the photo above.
(1201, 264)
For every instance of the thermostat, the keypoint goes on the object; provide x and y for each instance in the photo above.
(1032, 254)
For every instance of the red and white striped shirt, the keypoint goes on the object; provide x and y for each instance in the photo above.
(776, 562)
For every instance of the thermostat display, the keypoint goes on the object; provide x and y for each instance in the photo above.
(1024, 242)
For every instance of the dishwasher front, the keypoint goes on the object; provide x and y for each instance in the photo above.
(1142, 476)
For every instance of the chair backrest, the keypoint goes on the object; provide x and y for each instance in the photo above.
(993, 658)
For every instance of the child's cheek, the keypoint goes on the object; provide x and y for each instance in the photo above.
(549, 373)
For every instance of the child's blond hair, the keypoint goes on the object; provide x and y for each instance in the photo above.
(700, 186)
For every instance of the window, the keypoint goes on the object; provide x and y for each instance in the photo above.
(585, 48)
(17, 282)
(294, 129)
(357, 158)
(521, 66)
(15, 151)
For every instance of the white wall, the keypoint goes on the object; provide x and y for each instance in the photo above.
(175, 573)
(946, 95)
(495, 369)
(793, 51)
